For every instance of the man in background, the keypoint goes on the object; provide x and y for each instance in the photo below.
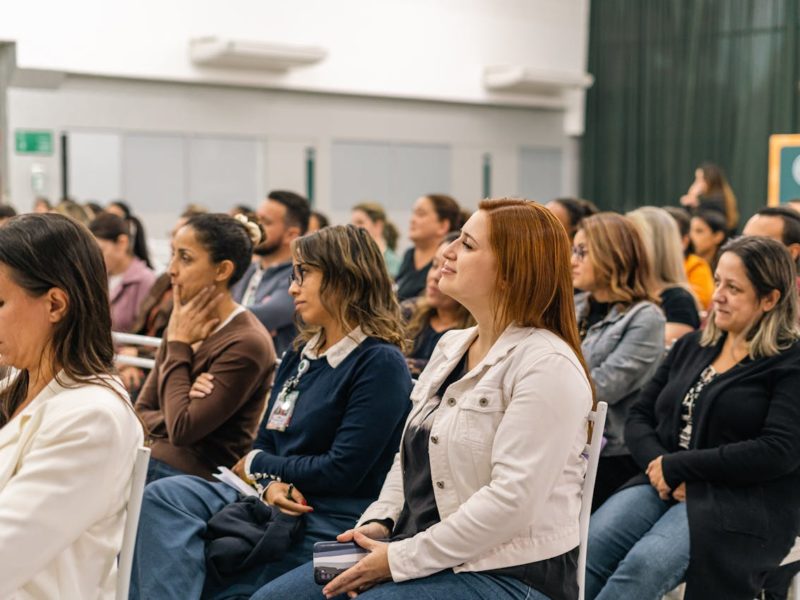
(264, 288)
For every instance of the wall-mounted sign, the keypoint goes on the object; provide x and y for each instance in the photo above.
(33, 142)
(784, 168)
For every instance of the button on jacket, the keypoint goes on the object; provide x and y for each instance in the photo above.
(505, 456)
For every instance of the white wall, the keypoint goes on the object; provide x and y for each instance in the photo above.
(283, 124)
(425, 49)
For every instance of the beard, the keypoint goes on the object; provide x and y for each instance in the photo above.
(266, 248)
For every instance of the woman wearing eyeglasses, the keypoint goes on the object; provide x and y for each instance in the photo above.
(329, 434)
(621, 328)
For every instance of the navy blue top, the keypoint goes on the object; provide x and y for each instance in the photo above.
(346, 424)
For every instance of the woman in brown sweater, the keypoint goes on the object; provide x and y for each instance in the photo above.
(208, 333)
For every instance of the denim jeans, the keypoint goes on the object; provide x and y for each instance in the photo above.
(158, 469)
(169, 562)
(638, 546)
(299, 585)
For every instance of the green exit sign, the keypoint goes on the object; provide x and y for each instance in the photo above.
(33, 142)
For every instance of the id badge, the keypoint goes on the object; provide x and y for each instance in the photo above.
(281, 414)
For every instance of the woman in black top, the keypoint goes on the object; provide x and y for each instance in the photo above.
(432, 315)
(662, 238)
(433, 217)
(718, 432)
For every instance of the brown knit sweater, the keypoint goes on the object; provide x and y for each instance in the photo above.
(198, 435)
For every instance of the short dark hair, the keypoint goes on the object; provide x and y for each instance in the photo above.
(714, 219)
(7, 211)
(225, 238)
(108, 226)
(447, 208)
(791, 222)
(578, 209)
(298, 210)
(54, 251)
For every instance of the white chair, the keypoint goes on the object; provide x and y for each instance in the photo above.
(598, 419)
(125, 563)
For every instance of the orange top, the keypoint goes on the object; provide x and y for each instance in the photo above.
(698, 272)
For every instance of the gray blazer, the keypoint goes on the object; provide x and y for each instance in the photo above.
(623, 352)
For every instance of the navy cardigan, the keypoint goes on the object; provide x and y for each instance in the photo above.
(742, 470)
(346, 425)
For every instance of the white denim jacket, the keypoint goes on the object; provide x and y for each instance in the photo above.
(505, 455)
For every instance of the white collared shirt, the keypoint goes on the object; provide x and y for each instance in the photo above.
(339, 351)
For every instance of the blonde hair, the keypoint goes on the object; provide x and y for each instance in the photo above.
(356, 287)
(769, 267)
(662, 239)
(619, 258)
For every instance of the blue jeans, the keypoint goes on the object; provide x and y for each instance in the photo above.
(158, 469)
(170, 550)
(299, 585)
(638, 546)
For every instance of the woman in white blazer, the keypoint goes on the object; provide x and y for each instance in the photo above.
(484, 496)
(68, 435)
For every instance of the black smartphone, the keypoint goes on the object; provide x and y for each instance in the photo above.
(332, 558)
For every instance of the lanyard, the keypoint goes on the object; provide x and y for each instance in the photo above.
(281, 415)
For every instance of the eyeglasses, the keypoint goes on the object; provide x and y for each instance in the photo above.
(298, 274)
(580, 252)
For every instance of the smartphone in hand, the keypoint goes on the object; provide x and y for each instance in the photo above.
(333, 558)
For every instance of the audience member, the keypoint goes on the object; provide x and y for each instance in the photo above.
(93, 207)
(708, 234)
(710, 190)
(328, 437)
(433, 217)
(698, 272)
(153, 317)
(317, 221)
(264, 288)
(129, 279)
(661, 238)
(70, 208)
(432, 315)
(780, 223)
(571, 211)
(6, 212)
(68, 436)
(138, 237)
(42, 205)
(372, 217)
(484, 497)
(621, 327)
(209, 334)
(718, 432)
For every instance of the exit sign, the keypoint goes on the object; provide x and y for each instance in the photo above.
(33, 142)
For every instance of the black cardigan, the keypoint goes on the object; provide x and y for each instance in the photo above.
(742, 470)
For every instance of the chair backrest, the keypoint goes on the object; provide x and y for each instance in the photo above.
(125, 563)
(592, 451)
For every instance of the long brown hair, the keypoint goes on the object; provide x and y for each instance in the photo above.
(717, 185)
(377, 214)
(619, 258)
(534, 274)
(46, 251)
(356, 288)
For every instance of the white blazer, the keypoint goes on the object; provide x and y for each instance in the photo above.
(505, 454)
(65, 472)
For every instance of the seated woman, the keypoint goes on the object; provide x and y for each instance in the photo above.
(207, 333)
(571, 211)
(432, 315)
(707, 233)
(662, 239)
(347, 388)
(621, 327)
(698, 272)
(129, 278)
(372, 217)
(710, 191)
(718, 432)
(68, 435)
(484, 496)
